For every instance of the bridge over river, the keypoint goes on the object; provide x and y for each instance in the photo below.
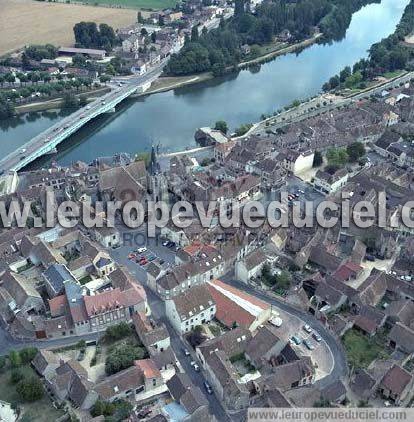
(47, 141)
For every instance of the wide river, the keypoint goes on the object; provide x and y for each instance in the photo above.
(171, 118)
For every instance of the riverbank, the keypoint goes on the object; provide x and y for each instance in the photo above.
(167, 83)
(56, 103)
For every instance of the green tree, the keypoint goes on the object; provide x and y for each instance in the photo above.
(221, 125)
(337, 156)
(317, 159)
(30, 389)
(104, 79)
(118, 331)
(70, 101)
(355, 151)
(79, 60)
(15, 359)
(83, 100)
(28, 354)
(122, 357)
(16, 375)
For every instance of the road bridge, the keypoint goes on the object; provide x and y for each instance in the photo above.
(47, 141)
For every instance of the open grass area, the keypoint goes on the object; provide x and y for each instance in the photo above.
(362, 350)
(38, 411)
(136, 4)
(25, 22)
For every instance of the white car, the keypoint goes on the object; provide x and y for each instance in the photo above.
(307, 328)
(141, 250)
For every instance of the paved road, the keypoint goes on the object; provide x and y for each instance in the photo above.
(158, 312)
(340, 367)
(64, 128)
(309, 109)
(8, 343)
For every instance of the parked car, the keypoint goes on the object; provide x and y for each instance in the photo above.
(186, 352)
(165, 243)
(195, 366)
(142, 250)
(308, 344)
(307, 328)
(208, 388)
(317, 337)
(296, 340)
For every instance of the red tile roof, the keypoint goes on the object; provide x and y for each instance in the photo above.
(148, 368)
(229, 311)
(346, 271)
(104, 302)
(57, 305)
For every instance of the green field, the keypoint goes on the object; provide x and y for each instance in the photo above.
(135, 4)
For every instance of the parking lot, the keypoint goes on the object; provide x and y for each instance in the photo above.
(321, 354)
(138, 250)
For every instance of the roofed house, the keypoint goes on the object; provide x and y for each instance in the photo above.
(401, 311)
(265, 346)
(122, 385)
(23, 291)
(55, 276)
(372, 290)
(250, 266)
(226, 381)
(232, 343)
(396, 385)
(190, 397)
(45, 363)
(285, 377)
(70, 382)
(335, 392)
(152, 375)
(401, 338)
(235, 307)
(154, 335)
(194, 307)
(124, 183)
(362, 384)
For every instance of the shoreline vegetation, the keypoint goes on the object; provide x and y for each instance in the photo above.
(388, 57)
(242, 37)
(272, 50)
(168, 83)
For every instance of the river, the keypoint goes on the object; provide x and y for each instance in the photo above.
(171, 118)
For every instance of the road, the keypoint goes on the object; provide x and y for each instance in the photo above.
(8, 343)
(340, 367)
(47, 140)
(310, 108)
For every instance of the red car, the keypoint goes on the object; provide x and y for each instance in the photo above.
(131, 256)
(143, 262)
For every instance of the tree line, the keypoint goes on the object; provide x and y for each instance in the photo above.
(89, 35)
(388, 55)
(221, 47)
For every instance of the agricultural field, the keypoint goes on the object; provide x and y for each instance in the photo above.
(25, 22)
(136, 4)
